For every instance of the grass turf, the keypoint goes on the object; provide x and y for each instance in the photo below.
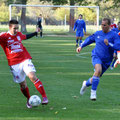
(62, 72)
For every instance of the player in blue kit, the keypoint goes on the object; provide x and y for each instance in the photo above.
(79, 26)
(102, 54)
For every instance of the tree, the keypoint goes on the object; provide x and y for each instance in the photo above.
(4, 15)
(71, 3)
(23, 12)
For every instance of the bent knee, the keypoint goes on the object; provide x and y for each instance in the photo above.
(98, 72)
(32, 77)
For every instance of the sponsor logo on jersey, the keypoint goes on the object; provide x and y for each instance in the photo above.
(18, 37)
(9, 38)
(98, 36)
(10, 41)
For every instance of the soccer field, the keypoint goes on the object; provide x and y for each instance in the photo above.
(62, 72)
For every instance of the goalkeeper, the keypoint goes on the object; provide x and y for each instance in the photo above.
(39, 24)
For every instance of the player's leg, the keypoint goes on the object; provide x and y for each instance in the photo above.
(29, 69)
(25, 91)
(97, 63)
(85, 85)
(41, 35)
(77, 38)
(80, 42)
(19, 77)
(81, 34)
(114, 60)
(39, 86)
(95, 80)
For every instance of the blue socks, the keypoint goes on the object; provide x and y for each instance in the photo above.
(95, 82)
(79, 42)
(88, 83)
(76, 41)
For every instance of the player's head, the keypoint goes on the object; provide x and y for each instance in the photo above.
(13, 26)
(118, 25)
(80, 16)
(106, 25)
(40, 15)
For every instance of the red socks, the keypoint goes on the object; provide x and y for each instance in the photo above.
(40, 88)
(26, 92)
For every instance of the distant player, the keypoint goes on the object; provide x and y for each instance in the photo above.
(19, 60)
(106, 42)
(116, 62)
(39, 24)
(113, 25)
(79, 26)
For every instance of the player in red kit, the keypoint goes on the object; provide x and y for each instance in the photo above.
(19, 60)
(113, 25)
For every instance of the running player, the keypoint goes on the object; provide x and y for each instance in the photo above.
(102, 54)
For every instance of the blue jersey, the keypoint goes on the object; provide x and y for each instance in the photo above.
(79, 25)
(105, 53)
(116, 30)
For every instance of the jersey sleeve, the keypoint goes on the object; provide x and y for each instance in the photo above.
(23, 36)
(84, 26)
(2, 36)
(89, 40)
(116, 44)
(75, 25)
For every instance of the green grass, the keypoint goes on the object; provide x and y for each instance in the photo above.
(62, 73)
(53, 29)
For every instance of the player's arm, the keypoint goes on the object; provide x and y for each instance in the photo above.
(31, 35)
(75, 25)
(89, 40)
(116, 45)
(85, 27)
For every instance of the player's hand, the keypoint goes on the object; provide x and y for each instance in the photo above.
(78, 49)
(106, 41)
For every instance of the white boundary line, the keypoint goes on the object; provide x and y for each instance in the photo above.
(81, 55)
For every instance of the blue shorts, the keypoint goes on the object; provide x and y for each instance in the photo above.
(79, 34)
(97, 60)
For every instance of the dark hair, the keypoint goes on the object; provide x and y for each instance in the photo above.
(13, 21)
(108, 20)
(119, 22)
(80, 15)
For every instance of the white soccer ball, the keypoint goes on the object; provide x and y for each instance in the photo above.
(34, 100)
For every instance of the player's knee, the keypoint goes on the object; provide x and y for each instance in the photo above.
(98, 72)
(23, 85)
(32, 77)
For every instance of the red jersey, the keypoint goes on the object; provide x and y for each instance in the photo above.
(13, 47)
(113, 26)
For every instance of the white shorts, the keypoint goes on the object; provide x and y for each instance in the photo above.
(22, 69)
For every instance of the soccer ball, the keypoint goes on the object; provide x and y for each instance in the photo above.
(34, 100)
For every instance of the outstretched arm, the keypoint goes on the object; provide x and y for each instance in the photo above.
(31, 35)
(89, 40)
